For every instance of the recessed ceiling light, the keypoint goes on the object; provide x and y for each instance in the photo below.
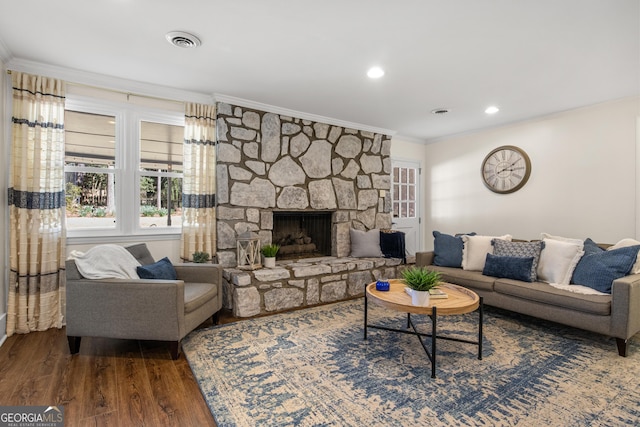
(375, 72)
(440, 111)
(492, 109)
(182, 39)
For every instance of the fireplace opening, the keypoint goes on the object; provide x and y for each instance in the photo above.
(302, 234)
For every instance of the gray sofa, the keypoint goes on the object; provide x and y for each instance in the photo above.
(158, 310)
(616, 315)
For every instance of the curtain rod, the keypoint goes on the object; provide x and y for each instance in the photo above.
(127, 93)
(123, 92)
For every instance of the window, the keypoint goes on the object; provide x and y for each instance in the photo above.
(404, 192)
(160, 174)
(123, 168)
(90, 160)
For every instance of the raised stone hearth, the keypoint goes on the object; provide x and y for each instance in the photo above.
(307, 282)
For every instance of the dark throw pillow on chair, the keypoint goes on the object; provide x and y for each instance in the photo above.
(161, 270)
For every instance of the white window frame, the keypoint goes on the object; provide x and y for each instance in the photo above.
(127, 166)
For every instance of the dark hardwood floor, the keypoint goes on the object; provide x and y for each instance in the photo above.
(109, 383)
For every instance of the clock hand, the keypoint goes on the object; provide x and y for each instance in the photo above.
(507, 168)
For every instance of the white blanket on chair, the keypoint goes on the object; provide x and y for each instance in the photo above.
(106, 262)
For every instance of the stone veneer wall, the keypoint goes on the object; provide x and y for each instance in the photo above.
(268, 161)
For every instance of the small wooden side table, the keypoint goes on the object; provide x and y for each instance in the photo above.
(460, 301)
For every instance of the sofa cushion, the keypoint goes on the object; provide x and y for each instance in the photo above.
(520, 249)
(599, 270)
(510, 267)
(447, 249)
(365, 243)
(475, 250)
(469, 279)
(547, 294)
(558, 259)
(197, 294)
(161, 270)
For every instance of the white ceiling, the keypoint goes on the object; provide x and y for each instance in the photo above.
(529, 57)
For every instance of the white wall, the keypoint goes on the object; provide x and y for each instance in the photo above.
(582, 184)
(405, 150)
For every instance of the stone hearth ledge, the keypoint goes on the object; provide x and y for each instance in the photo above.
(303, 283)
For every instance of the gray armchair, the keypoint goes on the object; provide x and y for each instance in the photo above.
(159, 310)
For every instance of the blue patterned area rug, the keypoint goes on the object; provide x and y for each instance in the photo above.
(313, 368)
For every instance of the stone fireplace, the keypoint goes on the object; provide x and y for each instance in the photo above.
(270, 167)
(269, 162)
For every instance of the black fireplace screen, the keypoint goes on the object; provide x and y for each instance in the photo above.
(302, 234)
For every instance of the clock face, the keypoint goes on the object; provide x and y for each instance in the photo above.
(506, 169)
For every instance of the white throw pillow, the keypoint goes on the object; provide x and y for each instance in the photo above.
(559, 258)
(623, 244)
(475, 250)
(563, 239)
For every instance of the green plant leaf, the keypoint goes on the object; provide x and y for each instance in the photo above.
(270, 251)
(421, 278)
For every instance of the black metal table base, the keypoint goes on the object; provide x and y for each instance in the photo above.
(431, 354)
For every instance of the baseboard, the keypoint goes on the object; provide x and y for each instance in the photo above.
(3, 328)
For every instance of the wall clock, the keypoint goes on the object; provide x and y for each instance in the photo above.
(506, 169)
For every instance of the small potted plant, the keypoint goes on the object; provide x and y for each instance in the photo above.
(269, 253)
(420, 280)
(201, 257)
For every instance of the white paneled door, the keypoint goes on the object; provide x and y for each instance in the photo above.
(405, 192)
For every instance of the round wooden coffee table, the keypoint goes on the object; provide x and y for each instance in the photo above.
(460, 300)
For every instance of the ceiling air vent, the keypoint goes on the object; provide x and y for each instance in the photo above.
(182, 39)
(439, 111)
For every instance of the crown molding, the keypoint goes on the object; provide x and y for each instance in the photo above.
(5, 53)
(218, 97)
(411, 139)
(108, 82)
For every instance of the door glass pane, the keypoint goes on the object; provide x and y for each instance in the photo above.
(412, 210)
(404, 190)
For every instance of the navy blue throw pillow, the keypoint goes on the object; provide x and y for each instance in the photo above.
(599, 270)
(508, 267)
(591, 247)
(447, 249)
(161, 270)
